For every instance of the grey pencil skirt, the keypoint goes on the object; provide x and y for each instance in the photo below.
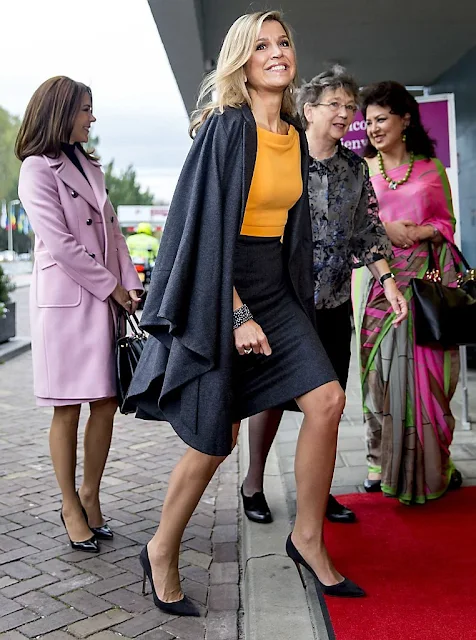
(298, 362)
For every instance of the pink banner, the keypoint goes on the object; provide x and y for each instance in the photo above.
(434, 116)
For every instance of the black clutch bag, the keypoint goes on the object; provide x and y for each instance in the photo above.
(128, 352)
(445, 316)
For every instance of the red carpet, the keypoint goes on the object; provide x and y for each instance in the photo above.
(417, 565)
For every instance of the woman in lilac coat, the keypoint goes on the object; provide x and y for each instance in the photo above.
(82, 276)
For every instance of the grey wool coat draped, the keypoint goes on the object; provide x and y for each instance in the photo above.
(184, 375)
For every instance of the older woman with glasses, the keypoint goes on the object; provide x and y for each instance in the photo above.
(346, 231)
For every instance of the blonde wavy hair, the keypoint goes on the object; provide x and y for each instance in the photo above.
(225, 86)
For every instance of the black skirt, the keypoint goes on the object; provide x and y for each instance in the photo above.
(298, 362)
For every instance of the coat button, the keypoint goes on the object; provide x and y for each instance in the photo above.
(74, 194)
(112, 218)
(89, 221)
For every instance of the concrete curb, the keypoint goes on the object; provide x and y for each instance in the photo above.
(14, 347)
(274, 603)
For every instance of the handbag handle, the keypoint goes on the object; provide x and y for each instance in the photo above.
(432, 266)
(124, 319)
(133, 322)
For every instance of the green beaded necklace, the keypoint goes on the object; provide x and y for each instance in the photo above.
(393, 184)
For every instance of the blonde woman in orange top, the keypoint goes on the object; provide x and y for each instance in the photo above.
(230, 307)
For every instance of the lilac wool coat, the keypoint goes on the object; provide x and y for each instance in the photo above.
(80, 257)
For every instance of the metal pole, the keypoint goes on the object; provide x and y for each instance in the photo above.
(10, 227)
(465, 421)
(11, 205)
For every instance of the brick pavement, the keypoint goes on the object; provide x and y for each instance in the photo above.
(50, 592)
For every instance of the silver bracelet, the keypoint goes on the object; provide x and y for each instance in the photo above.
(240, 316)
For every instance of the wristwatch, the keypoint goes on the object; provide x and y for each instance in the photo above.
(386, 276)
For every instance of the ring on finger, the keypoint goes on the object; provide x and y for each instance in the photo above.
(247, 351)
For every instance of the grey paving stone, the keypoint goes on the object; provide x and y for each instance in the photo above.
(195, 590)
(142, 623)
(129, 601)
(25, 586)
(17, 554)
(224, 597)
(16, 619)
(8, 606)
(195, 573)
(12, 635)
(224, 572)
(116, 582)
(222, 625)
(40, 603)
(99, 567)
(58, 569)
(199, 544)
(64, 586)
(6, 581)
(354, 458)
(195, 557)
(106, 635)
(51, 622)
(225, 552)
(186, 629)
(98, 623)
(57, 635)
(20, 570)
(225, 533)
(8, 543)
(226, 516)
(85, 602)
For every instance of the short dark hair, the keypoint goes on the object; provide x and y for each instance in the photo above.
(49, 118)
(400, 102)
(336, 77)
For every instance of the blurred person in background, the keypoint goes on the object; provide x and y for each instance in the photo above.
(143, 243)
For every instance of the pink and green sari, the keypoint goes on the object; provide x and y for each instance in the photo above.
(406, 388)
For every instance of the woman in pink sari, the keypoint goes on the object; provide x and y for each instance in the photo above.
(407, 389)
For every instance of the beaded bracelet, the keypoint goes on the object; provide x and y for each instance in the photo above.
(240, 316)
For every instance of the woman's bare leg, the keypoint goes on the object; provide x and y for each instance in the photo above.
(63, 445)
(314, 466)
(188, 481)
(261, 433)
(97, 440)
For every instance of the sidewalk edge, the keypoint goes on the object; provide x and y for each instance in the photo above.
(274, 603)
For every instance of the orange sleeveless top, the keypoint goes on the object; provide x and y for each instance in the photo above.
(276, 185)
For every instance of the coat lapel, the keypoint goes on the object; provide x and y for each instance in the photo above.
(69, 174)
(250, 150)
(92, 169)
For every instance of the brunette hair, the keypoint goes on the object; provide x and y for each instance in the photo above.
(226, 85)
(400, 101)
(49, 118)
(337, 77)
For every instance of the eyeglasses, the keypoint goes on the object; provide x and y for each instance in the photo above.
(335, 106)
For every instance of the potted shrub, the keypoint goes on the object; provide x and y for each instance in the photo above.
(7, 308)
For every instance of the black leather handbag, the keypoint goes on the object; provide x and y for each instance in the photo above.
(128, 351)
(445, 316)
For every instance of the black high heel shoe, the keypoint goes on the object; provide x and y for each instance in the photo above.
(344, 589)
(183, 607)
(104, 532)
(91, 545)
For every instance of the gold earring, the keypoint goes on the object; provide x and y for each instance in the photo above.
(404, 137)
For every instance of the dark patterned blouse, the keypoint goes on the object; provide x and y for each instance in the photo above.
(346, 227)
